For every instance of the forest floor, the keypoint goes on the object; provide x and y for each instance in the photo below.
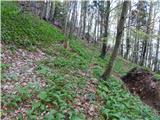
(42, 80)
(21, 78)
(24, 75)
(19, 73)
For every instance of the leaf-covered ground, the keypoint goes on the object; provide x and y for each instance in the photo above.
(18, 79)
(45, 81)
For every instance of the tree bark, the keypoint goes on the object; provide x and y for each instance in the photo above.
(128, 46)
(85, 15)
(147, 33)
(104, 45)
(48, 8)
(43, 10)
(73, 18)
(52, 11)
(120, 29)
(157, 51)
(66, 42)
(81, 20)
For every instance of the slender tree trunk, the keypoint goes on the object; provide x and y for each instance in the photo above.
(81, 20)
(101, 16)
(32, 5)
(120, 29)
(73, 17)
(66, 42)
(98, 26)
(48, 8)
(157, 51)
(43, 10)
(52, 10)
(95, 29)
(122, 44)
(128, 46)
(85, 16)
(150, 54)
(104, 45)
(148, 33)
(75, 29)
(91, 23)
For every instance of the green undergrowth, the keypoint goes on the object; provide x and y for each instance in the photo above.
(23, 29)
(119, 104)
(63, 71)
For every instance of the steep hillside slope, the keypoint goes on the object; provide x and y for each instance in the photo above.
(42, 80)
(23, 29)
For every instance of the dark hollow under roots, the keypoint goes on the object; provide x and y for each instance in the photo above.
(142, 83)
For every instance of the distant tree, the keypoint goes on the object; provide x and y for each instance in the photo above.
(67, 5)
(141, 20)
(84, 7)
(48, 8)
(157, 51)
(101, 13)
(145, 42)
(120, 28)
(43, 10)
(52, 11)
(90, 13)
(104, 45)
(73, 18)
(128, 37)
(81, 20)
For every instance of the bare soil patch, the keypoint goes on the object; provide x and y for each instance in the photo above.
(142, 83)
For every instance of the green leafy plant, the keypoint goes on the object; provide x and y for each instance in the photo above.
(42, 95)
(42, 69)
(4, 66)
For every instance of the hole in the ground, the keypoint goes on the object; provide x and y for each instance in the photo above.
(141, 82)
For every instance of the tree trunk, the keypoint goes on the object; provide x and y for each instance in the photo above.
(66, 42)
(120, 29)
(81, 20)
(95, 29)
(128, 46)
(52, 11)
(85, 15)
(147, 33)
(47, 10)
(43, 10)
(73, 17)
(122, 44)
(157, 51)
(150, 54)
(104, 46)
